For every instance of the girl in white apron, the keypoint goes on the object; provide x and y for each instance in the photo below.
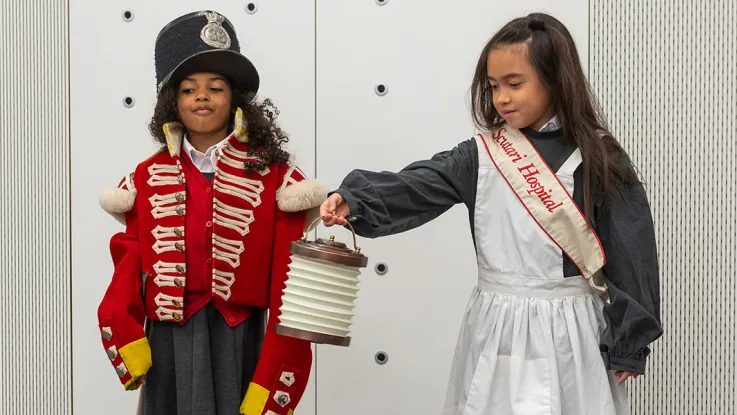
(568, 298)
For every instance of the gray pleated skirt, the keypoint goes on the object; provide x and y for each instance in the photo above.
(201, 368)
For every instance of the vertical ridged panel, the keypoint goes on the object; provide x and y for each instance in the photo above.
(666, 74)
(34, 203)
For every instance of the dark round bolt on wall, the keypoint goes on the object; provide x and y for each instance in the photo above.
(129, 102)
(381, 2)
(128, 16)
(381, 90)
(381, 358)
(381, 268)
(251, 8)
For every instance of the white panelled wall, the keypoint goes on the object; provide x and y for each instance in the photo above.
(424, 53)
(665, 74)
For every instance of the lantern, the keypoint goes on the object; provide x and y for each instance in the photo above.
(321, 287)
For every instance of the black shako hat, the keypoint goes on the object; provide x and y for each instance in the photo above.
(203, 41)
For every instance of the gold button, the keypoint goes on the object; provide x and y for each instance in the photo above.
(177, 317)
(178, 282)
(179, 210)
(177, 304)
(352, 219)
(181, 179)
(179, 247)
(180, 269)
(178, 231)
(179, 197)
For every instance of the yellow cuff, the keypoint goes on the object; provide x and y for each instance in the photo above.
(133, 384)
(137, 358)
(255, 400)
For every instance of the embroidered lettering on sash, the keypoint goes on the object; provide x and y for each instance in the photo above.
(547, 200)
(529, 171)
(508, 147)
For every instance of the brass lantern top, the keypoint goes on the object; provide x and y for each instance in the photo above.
(329, 250)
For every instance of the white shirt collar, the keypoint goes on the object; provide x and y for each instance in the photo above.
(552, 125)
(205, 162)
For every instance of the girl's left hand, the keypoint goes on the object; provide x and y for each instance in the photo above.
(623, 376)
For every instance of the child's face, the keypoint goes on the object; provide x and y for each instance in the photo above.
(204, 103)
(518, 93)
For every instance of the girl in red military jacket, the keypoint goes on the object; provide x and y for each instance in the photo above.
(208, 219)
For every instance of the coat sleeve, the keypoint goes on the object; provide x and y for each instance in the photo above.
(386, 203)
(625, 227)
(283, 369)
(121, 313)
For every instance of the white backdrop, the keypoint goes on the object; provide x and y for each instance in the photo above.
(320, 61)
(424, 53)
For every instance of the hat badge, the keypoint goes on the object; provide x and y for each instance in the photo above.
(213, 33)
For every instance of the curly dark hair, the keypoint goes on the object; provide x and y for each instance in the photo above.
(265, 137)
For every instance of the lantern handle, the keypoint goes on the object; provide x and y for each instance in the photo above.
(356, 249)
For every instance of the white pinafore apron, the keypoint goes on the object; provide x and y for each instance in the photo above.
(529, 343)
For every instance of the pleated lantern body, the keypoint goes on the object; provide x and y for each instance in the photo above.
(320, 292)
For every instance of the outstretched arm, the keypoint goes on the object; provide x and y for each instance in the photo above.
(385, 203)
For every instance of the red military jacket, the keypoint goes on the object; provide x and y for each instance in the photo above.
(255, 218)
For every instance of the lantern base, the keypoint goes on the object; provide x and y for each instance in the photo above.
(312, 336)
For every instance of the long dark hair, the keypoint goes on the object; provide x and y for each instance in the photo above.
(552, 52)
(265, 137)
